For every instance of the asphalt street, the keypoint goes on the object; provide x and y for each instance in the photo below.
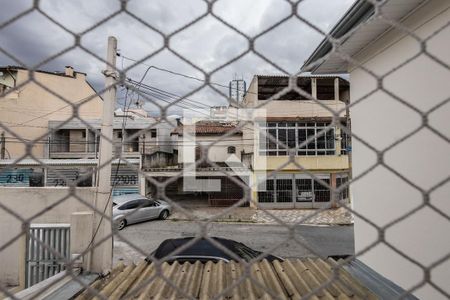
(275, 239)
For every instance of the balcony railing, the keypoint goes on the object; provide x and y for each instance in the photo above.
(64, 149)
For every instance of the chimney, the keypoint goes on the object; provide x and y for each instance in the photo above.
(69, 71)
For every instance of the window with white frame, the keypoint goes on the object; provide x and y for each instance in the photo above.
(308, 138)
(342, 179)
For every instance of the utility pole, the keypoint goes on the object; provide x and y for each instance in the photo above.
(3, 150)
(101, 255)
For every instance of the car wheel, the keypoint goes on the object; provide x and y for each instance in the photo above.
(122, 224)
(163, 215)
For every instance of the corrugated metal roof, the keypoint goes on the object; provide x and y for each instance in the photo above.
(290, 279)
(61, 162)
(369, 29)
(380, 285)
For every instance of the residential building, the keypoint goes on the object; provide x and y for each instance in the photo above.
(219, 183)
(301, 123)
(73, 153)
(408, 197)
(27, 105)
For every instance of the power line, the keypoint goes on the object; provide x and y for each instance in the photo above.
(171, 95)
(173, 72)
(172, 103)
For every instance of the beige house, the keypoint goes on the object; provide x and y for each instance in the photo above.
(27, 106)
(421, 162)
(302, 121)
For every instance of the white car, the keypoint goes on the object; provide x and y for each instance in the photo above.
(134, 208)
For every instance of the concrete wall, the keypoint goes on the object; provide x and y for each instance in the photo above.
(423, 159)
(30, 102)
(27, 202)
(326, 162)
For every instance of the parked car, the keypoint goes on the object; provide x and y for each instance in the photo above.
(134, 208)
(203, 250)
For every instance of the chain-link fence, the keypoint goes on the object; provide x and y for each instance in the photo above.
(164, 158)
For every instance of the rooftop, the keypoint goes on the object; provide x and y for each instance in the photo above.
(130, 123)
(57, 73)
(312, 278)
(207, 128)
(290, 279)
(60, 162)
(357, 29)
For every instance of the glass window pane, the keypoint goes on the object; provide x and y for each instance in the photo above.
(304, 190)
(311, 133)
(301, 137)
(282, 137)
(284, 190)
(266, 194)
(330, 139)
(273, 136)
(291, 138)
(320, 141)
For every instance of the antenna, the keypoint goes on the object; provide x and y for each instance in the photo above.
(237, 89)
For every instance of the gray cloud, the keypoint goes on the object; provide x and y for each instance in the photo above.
(208, 43)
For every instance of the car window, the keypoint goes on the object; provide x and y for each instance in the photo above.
(146, 203)
(130, 205)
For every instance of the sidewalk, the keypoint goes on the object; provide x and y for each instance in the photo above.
(338, 216)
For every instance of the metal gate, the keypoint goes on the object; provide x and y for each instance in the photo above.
(41, 263)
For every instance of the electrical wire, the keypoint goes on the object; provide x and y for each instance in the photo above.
(170, 95)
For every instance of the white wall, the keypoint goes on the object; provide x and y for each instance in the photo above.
(423, 159)
(27, 202)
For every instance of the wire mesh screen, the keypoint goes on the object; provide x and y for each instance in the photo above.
(293, 148)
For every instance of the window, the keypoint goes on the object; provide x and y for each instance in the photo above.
(342, 179)
(345, 141)
(83, 134)
(119, 135)
(266, 191)
(325, 89)
(153, 133)
(284, 190)
(147, 203)
(304, 190)
(129, 205)
(310, 138)
(289, 188)
(231, 150)
(135, 204)
(322, 192)
(268, 87)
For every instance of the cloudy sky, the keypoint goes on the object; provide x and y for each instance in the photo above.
(207, 44)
